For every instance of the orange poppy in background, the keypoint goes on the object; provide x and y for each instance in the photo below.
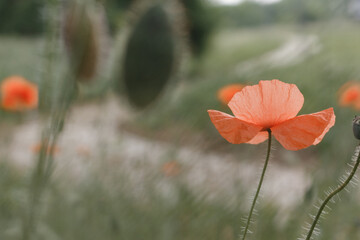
(349, 95)
(50, 150)
(226, 93)
(18, 94)
(272, 105)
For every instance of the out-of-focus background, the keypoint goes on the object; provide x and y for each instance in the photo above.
(138, 157)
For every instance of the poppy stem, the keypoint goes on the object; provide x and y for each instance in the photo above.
(259, 187)
(333, 193)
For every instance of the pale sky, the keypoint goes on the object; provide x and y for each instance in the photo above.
(232, 2)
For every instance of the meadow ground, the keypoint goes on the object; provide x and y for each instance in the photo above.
(110, 180)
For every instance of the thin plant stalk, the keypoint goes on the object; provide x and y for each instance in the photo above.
(38, 184)
(259, 187)
(43, 170)
(50, 54)
(333, 193)
(41, 173)
(59, 108)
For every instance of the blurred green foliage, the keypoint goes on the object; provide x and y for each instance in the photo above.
(115, 11)
(252, 13)
(249, 14)
(26, 16)
(21, 17)
(20, 57)
(201, 21)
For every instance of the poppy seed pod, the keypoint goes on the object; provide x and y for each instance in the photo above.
(149, 57)
(82, 39)
(356, 127)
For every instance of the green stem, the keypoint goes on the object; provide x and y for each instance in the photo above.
(42, 172)
(332, 194)
(259, 186)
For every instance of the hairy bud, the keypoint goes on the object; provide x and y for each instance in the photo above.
(82, 39)
(356, 127)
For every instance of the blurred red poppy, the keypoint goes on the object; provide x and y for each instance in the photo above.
(18, 94)
(226, 93)
(50, 150)
(349, 95)
(272, 105)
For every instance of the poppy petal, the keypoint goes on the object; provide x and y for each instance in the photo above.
(268, 103)
(305, 130)
(327, 128)
(232, 129)
(259, 138)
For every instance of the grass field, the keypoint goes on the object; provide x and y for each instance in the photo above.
(21, 57)
(104, 207)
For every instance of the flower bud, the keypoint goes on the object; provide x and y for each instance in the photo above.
(82, 37)
(149, 56)
(356, 127)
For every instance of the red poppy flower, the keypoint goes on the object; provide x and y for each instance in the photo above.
(349, 95)
(18, 94)
(225, 94)
(272, 105)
